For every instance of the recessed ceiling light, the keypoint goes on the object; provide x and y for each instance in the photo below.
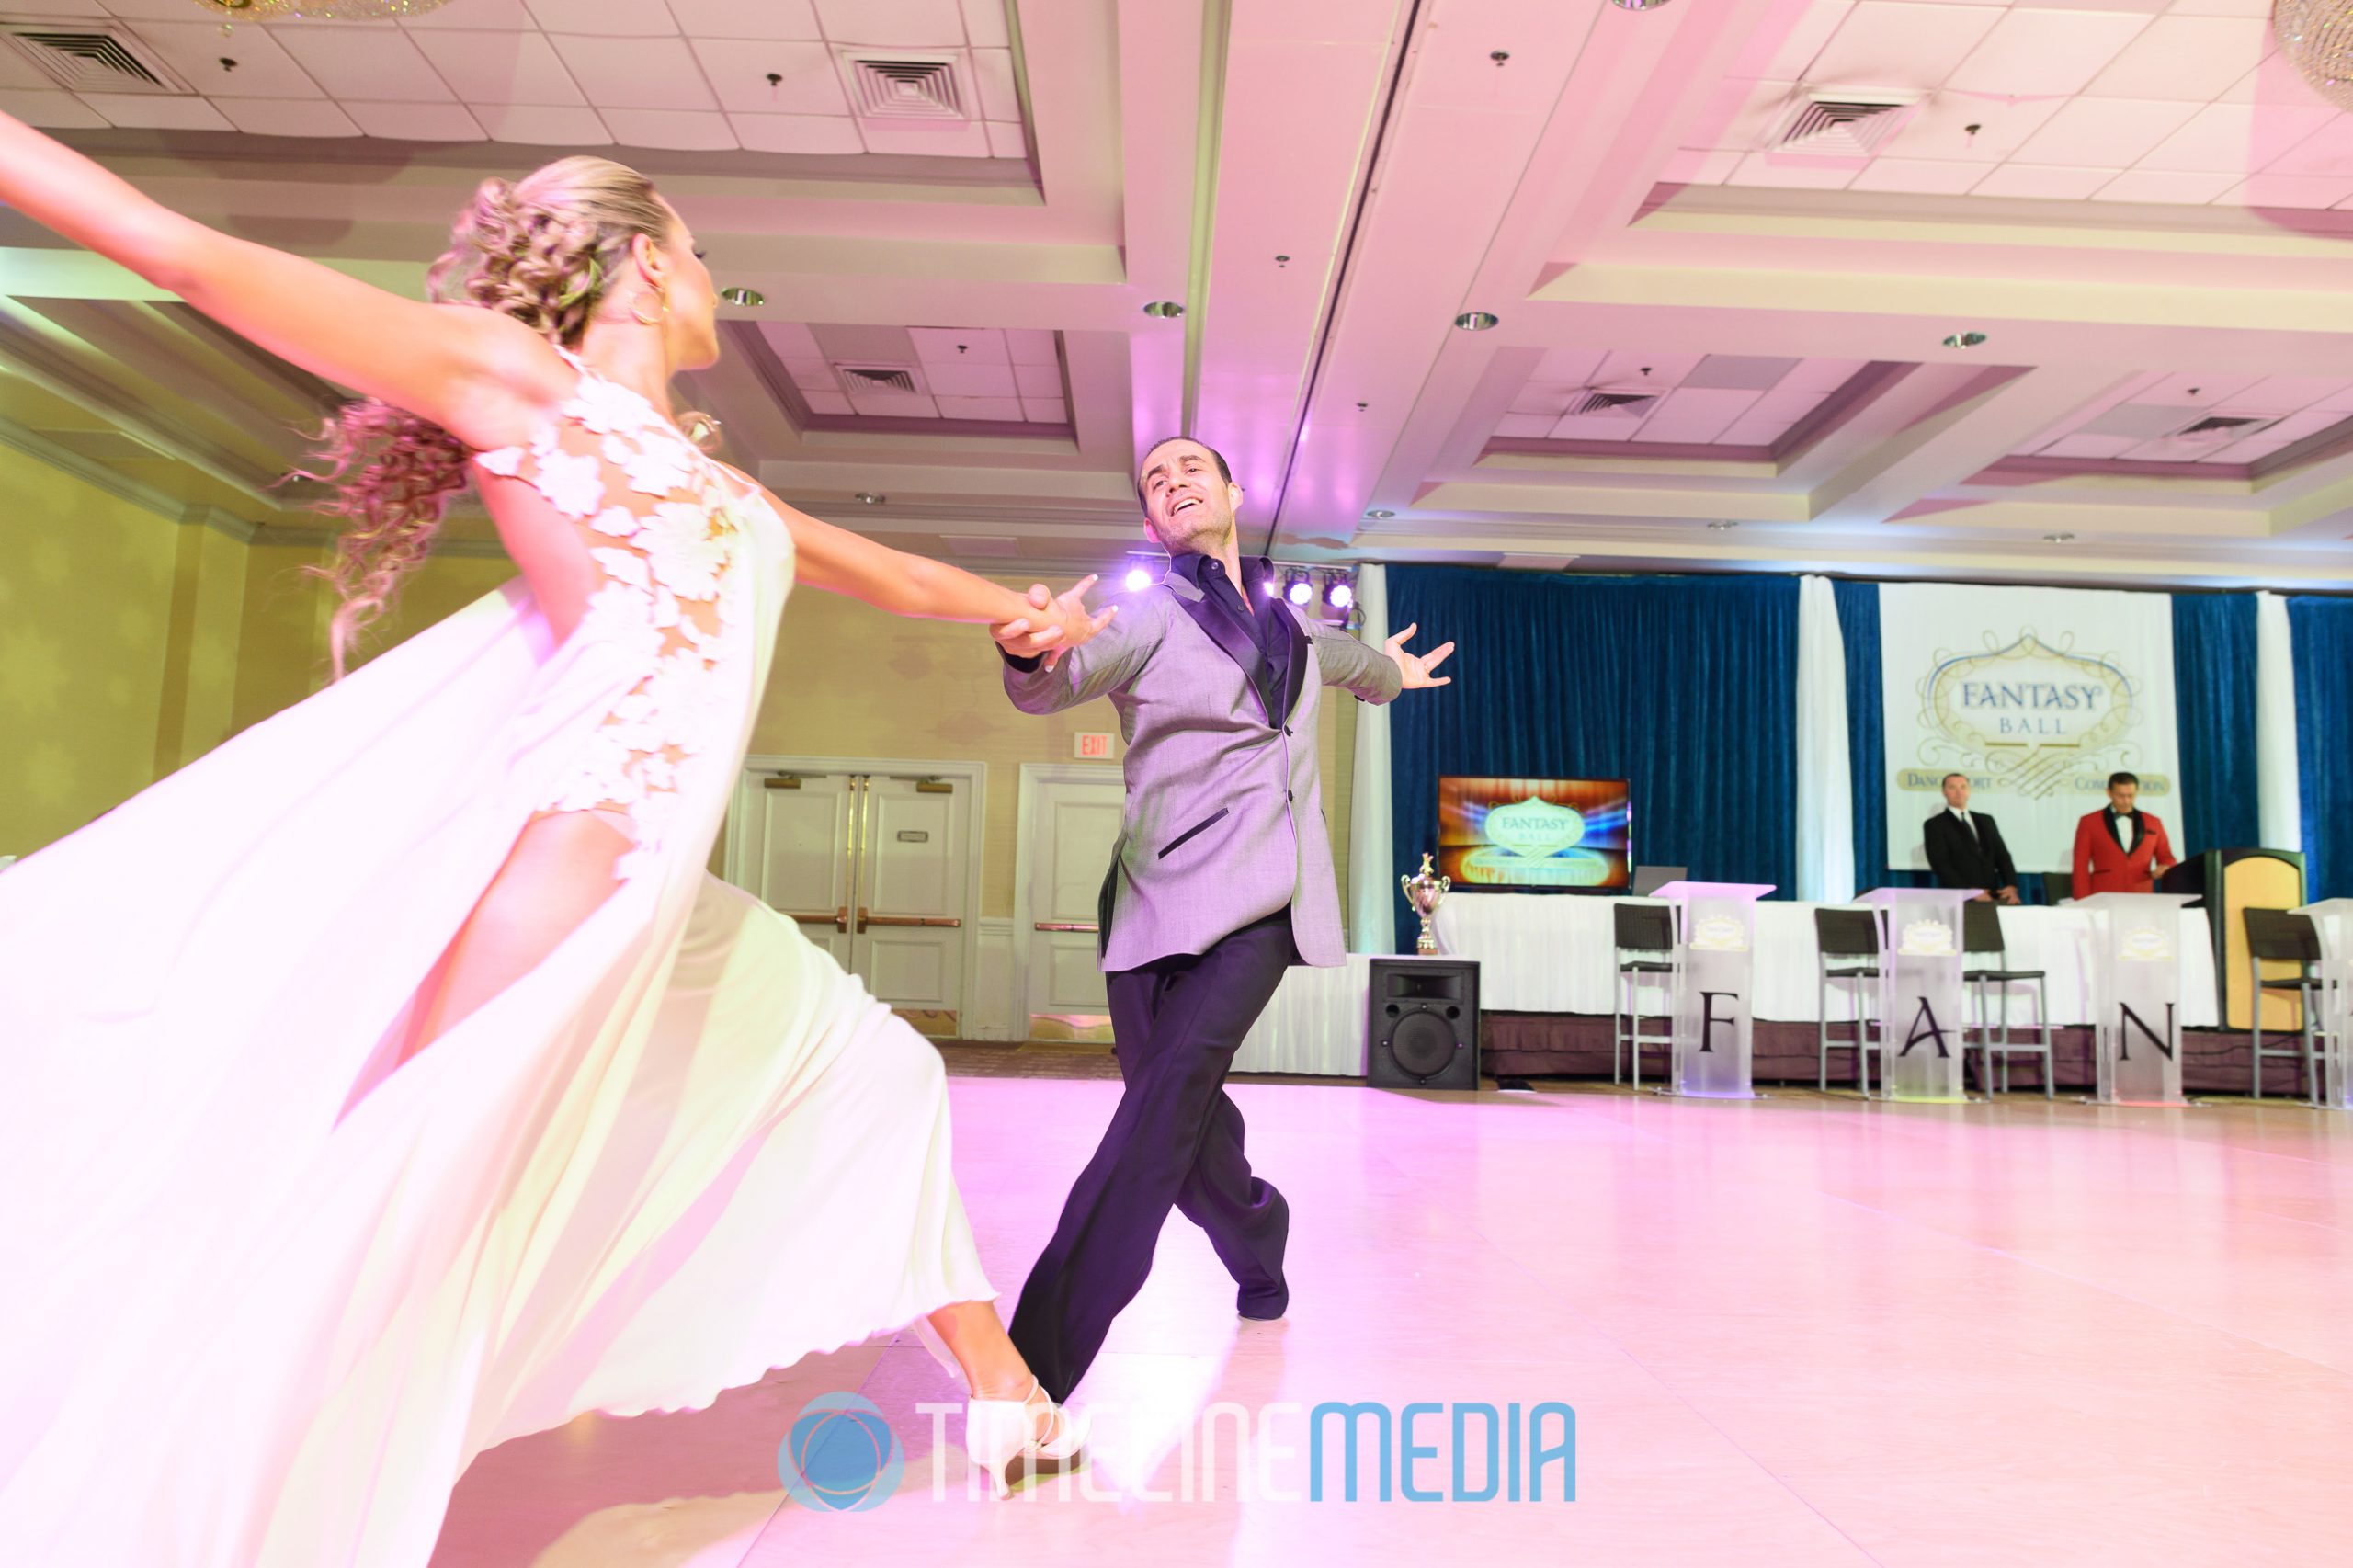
(1638, 5)
(1380, 512)
(1163, 308)
(1721, 526)
(1964, 340)
(2059, 538)
(743, 296)
(868, 497)
(1476, 320)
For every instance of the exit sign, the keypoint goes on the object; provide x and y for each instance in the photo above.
(1094, 747)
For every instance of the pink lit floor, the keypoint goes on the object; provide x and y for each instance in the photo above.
(1801, 1330)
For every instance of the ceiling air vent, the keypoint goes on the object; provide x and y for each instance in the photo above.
(1842, 125)
(877, 378)
(929, 89)
(1615, 404)
(93, 60)
(2230, 426)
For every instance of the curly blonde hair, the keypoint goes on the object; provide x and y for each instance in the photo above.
(543, 249)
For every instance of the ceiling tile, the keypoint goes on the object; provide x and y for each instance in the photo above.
(1742, 115)
(1954, 128)
(1751, 431)
(374, 64)
(2188, 58)
(2096, 447)
(2235, 138)
(501, 68)
(832, 403)
(902, 24)
(893, 405)
(747, 18)
(1689, 167)
(1038, 380)
(1740, 371)
(1624, 369)
(979, 407)
(1525, 427)
(20, 73)
(1763, 168)
(968, 141)
(52, 111)
(811, 375)
(138, 112)
(2104, 133)
(612, 18)
(791, 340)
(958, 346)
(477, 16)
(2194, 390)
(164, 10)
(195, 49)
(1786, 404)
(2046, 51)
(815, 133)
(287, 117)
(1007, 142)
(952, 379)
(993, 76)
(1803, 41)
(637, 72)
(675, 130)
(1885, 44)
(984, 24)
(2302, 423)
(2137, 421)
(1595, 427)
(416, 122)
(541, 125)
(1044, 411)
(1820, 375)
(1693, 413)
(1571, 366)
(858, 342)
(2285, 394)
(739, 71)
(2286, 191)
(2165, 185)
(2326, 152)
(1918, 175)
(2043, 182)
(2222, 7)
(1030, 346)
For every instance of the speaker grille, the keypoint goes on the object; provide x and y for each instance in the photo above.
(1423, 1044)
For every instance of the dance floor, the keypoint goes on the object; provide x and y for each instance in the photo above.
(1803, 1330)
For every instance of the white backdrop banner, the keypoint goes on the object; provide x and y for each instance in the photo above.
(2037, 694)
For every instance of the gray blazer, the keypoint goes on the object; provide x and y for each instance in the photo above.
(1224, 821)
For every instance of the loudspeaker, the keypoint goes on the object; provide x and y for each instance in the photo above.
(1422, 1024)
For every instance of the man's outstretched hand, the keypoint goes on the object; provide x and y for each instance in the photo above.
(1416, 668)
(1062, 623)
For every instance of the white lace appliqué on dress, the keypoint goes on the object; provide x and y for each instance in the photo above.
(659, 520)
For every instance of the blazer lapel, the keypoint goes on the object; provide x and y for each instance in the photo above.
(1223, 629)
(1295, 667)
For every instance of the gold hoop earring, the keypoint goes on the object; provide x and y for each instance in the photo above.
(663, 315)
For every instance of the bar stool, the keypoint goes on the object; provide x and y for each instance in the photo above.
(1645, 940)
(2281, 935)
(1841, 938)
(1981, 932)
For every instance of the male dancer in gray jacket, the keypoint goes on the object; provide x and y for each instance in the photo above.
(1222, 880)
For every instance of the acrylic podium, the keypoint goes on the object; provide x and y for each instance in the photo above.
(1921, 1048)
(2136, 997)
(2333, 919)
(1715, 981)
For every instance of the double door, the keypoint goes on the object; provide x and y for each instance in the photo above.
(876, 867)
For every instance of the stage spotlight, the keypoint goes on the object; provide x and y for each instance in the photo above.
(1300, 591)
(1138, 579)
(1339, 596)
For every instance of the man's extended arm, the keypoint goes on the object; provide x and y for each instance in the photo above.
(1113, 658)
(1364, 671)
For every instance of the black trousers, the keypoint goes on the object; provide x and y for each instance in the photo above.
(1176, 1141)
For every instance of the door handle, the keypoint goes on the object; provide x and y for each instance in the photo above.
(1068, 925)
(934, 921)
(838, 919)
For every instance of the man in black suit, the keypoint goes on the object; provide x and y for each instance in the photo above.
(1965, 850)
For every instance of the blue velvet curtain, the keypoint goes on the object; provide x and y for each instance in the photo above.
(1866, 739)
(2213, 683)
(2322, 630)
(1686, 686)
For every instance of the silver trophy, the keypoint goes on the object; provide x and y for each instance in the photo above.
(1423, 891)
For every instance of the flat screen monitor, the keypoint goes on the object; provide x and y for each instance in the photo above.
(1535, 835)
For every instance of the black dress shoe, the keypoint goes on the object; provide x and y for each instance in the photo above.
(1263, 1307)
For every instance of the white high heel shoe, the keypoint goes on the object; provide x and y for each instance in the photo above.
(1000, 1432)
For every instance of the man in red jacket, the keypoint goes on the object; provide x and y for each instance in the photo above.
(2118, 849)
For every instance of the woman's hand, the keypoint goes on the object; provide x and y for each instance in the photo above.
(1059, 623)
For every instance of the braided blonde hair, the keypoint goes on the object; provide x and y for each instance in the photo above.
(543, 249)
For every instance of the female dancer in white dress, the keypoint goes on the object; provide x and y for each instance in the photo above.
(393, 1081)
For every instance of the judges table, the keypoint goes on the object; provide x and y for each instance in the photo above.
(1556, 953)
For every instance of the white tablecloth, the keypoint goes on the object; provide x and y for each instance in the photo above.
(1556, 954)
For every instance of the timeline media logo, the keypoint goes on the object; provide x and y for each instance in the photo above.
(840, 1456)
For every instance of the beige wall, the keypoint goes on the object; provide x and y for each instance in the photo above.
(148, 642)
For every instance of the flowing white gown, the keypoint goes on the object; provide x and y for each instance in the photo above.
(265, 1298)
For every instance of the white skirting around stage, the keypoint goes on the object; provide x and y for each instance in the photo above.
(1557, 954)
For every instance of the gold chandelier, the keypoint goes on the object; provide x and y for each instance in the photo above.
(317, 10)
(2318, 36)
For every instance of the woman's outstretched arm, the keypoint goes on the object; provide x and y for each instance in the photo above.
(478, 374)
